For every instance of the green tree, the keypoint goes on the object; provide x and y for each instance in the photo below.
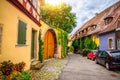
(59, 16)
(87, 42)
(75, 44)
(81, 44)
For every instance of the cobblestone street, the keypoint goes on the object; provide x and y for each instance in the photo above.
(51, 69)
(81, 68)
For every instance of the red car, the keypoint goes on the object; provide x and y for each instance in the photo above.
(92, 54)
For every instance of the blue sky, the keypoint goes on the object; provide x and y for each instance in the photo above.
(86, 9)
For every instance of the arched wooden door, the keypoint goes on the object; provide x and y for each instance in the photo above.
(49, 45)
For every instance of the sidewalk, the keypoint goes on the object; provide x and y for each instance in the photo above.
(51, 69)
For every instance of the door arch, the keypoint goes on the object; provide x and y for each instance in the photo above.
(49, 44)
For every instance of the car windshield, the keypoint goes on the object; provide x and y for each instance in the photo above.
(95, 51)
(116, 54)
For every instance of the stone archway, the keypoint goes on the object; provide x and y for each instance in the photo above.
(50, 44)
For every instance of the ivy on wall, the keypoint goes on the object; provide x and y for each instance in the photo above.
(63, 41)
(41, 58)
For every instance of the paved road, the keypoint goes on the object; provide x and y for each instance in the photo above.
(80, 68)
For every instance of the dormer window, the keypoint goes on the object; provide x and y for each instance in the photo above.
(82, 31)
(88, 28)
(108, 20)
(85, 30)
(93, 26)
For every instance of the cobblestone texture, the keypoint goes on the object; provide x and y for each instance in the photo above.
(51, 69)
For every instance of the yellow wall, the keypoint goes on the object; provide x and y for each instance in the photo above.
(44, 29)
(96, 39)
(9, 16)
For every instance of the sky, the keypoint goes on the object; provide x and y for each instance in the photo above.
(85, 9)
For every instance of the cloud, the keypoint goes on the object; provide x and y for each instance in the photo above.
(86, 9)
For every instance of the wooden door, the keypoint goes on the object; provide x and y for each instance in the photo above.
(49, 45)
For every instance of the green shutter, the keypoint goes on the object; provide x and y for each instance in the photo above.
(21, 32)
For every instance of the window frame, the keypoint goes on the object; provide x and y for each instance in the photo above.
(118, 44)
(112, 44)
(18, 43)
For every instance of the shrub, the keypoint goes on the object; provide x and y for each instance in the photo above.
(75, 44)
(25, 75)
(85, 52)
(7, 67)
(71, 49)
(15, 75)
(41, 49)
(20, 66)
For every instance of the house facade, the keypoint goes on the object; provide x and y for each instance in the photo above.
(107, 41)
(109, 37)
(118, 35)
(19, 30)
(103, 28)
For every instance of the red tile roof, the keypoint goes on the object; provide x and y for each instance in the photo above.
(99, 20)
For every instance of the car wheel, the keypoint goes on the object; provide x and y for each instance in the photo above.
(107, 66)
(96, 61)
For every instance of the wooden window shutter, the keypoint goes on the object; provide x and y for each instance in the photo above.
(21, 32)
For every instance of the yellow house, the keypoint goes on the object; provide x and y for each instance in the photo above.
(19, 30)
(95, 39)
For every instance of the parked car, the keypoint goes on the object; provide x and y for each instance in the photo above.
(92, 54)
(110, 59)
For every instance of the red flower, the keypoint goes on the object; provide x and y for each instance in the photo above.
(8, 79)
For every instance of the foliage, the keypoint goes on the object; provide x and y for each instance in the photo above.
(40, 48)
(15, 75)
(85, 52)
(25, 75)
(12, 71)
(81, 44)
(89, 43)
(7, 67)
(59, 16)
(93, 45)
(63, 41)
(19, 67)
(75, 44)
(71, 48)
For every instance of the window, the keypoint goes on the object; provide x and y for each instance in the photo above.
(118, 44)
(103, 54)
(93, 26)
(35, 3)
(21, 32)
(110, 43)
(0, 37)
(108, 20)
